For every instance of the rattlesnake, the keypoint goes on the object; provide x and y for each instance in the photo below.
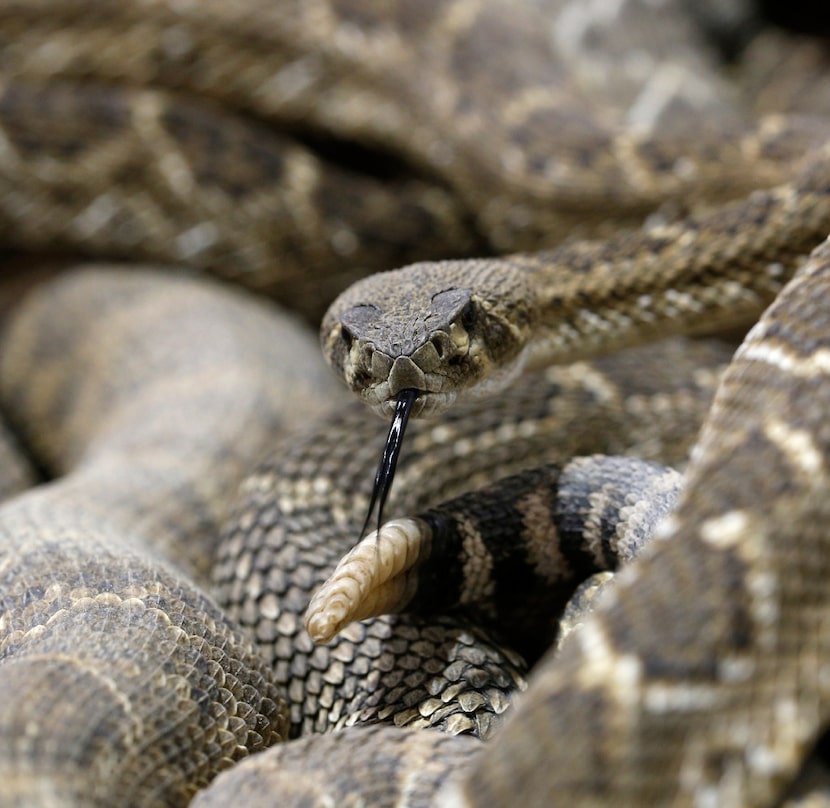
(486, 180)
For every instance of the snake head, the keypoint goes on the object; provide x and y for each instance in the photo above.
(448, 330)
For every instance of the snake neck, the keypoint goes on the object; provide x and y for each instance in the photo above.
(715, 270)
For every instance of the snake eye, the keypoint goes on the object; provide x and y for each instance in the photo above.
(356, 321)
(468, 316)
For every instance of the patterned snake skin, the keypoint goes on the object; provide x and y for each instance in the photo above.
(138, 495)
(293, 147)
(130, 666)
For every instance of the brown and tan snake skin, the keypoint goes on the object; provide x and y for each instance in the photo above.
(293, 147)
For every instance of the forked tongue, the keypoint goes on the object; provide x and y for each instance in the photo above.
(389, 459)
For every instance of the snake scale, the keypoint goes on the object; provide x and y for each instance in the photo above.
(293, 147)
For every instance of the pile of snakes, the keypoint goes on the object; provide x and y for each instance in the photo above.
(586, 242)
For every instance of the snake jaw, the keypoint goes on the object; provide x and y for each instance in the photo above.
(425, 406)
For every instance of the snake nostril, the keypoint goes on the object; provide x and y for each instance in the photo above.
(440, 346)
(367, 355)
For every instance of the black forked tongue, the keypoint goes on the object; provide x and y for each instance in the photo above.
(389, 459)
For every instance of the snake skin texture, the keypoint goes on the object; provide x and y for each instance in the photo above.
(717, 696)
(513, 563)
(104, 625)
(152, 609)
(96, 548)
(718, 700)
(456, 328)
(402, 761)
(408, 768)
(289, 530)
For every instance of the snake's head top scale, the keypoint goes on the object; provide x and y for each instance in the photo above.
(446, 330)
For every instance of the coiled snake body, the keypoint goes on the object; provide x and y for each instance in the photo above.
(700, 680)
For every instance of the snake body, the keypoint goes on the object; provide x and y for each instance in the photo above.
(217, 144)
(235, 140)
(719, 699)
(544, 530)
(473, 325)
(285, 537)
(144, 688)
(135, 523)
